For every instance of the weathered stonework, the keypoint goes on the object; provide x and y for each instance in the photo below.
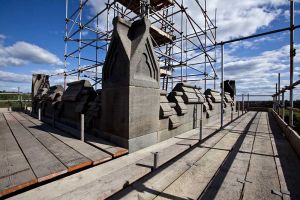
(130, 110)
(39, 88)
(130, 94)
(75, 101)
(51, 100)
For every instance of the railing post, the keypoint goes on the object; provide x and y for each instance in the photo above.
(155, 160)
(283, 106)
(243, 105)
(39, 114)
(232, 114)
(239, 107)
(201, 122)
(248, 106)
(82, 127)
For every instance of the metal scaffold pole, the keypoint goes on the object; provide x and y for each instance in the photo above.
(222, 85)
(292, 53)
(278, 96)
(184, 50)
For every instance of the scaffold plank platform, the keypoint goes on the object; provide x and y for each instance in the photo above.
(240, 161)
(160, 37)
(134, 5)
(33, 152)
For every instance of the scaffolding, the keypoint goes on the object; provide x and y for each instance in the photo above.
(185, 45)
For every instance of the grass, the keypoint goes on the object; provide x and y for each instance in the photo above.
(296, 119)
(9, 100)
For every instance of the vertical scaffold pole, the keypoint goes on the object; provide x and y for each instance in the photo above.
(201, 122)
(243, 105)
(82, 127)
(222, 84)
(248, 102)
(80, 40)
(66, 46)
(278, 97)
(283, 106)
(238, 107)
(276, 105)
(292, 18)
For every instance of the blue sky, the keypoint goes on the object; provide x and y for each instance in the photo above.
(31, 41)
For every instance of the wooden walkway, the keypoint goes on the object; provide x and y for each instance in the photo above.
(32, 152)
(248, 159)
(252, 161)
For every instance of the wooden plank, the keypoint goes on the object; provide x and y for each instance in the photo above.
(94, 154)
(261, 179)
(262, 145)
(108, 147)
(151, 185)
(229, 181)
(191, 184)
(105, 146)
(67, 155)
(43, 163)
(71, 183)
(263, 129)
(227, 142)
(247, 144)
(104, 180)
(15, 172)
(288, 167)
(109, 184)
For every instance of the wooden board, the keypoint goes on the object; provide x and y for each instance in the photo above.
(94, 154)
(228, 182)
(67, 155)
(262, 145)
(15, 172)
(227, 142)
(103, 145)
(191, 184)
(288, 167)
(105, 180)
(153, 184)
(43, 163)
(261, 179)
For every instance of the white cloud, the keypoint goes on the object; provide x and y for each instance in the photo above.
(258, 74)
(14, 77)
(22, 53)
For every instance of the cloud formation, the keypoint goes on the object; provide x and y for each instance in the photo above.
(258, 74)
(14, 77)
(22, 53)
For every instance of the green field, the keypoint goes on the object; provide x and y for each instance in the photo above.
(11, 100)
(296, 119)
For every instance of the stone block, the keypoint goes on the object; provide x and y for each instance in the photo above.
(190, 94)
